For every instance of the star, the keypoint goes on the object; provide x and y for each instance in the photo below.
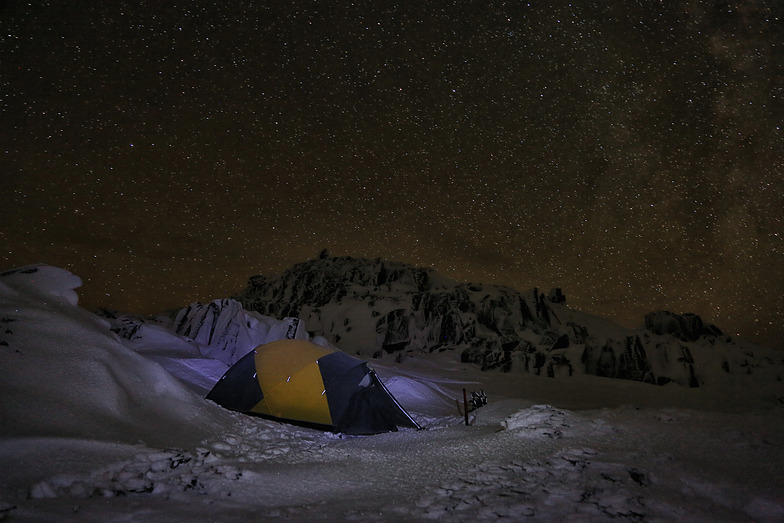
(629, 154)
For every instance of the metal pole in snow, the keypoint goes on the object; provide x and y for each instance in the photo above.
(465, 406)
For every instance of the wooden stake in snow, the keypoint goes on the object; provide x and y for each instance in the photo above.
(465, 406)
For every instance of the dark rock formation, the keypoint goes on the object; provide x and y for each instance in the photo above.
(225, 331)
(685, 327)
(633, 362)
(556, 296)
(385, 309)
(407, 307)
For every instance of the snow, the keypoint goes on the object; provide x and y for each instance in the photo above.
(98, 427)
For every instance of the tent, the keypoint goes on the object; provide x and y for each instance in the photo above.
(306, 384)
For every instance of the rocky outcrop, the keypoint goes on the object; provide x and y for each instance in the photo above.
(685, 327)
(643, 359)
(374, 307)
(381, 309)
(221, 329)
(556, 296)
(323, 281)
(225, 331)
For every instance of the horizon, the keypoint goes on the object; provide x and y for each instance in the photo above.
(637, 325)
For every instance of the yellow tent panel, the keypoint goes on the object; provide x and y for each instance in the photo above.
(292, 382)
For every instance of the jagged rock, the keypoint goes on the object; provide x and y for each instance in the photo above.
(533, 361)
(377, 308)
(624, 360)
(559, 366)
(406, 307)
(553, 340)
(685, 327)
(488, 356)
(395, 325)
(225, 331)
(642, 359)
(688, 361)
(556, 296)
(579, 333)
(633, 362)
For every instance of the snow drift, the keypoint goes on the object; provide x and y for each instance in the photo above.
(66, 375)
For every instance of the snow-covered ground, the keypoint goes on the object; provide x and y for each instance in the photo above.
(98, 427)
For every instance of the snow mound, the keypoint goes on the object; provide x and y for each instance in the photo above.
(421, 396)
(66, 374)
(41, 281)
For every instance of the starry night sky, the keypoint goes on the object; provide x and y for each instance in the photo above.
(629, 152)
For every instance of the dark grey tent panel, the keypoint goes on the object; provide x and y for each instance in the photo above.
(358, 401)
(238, 389)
